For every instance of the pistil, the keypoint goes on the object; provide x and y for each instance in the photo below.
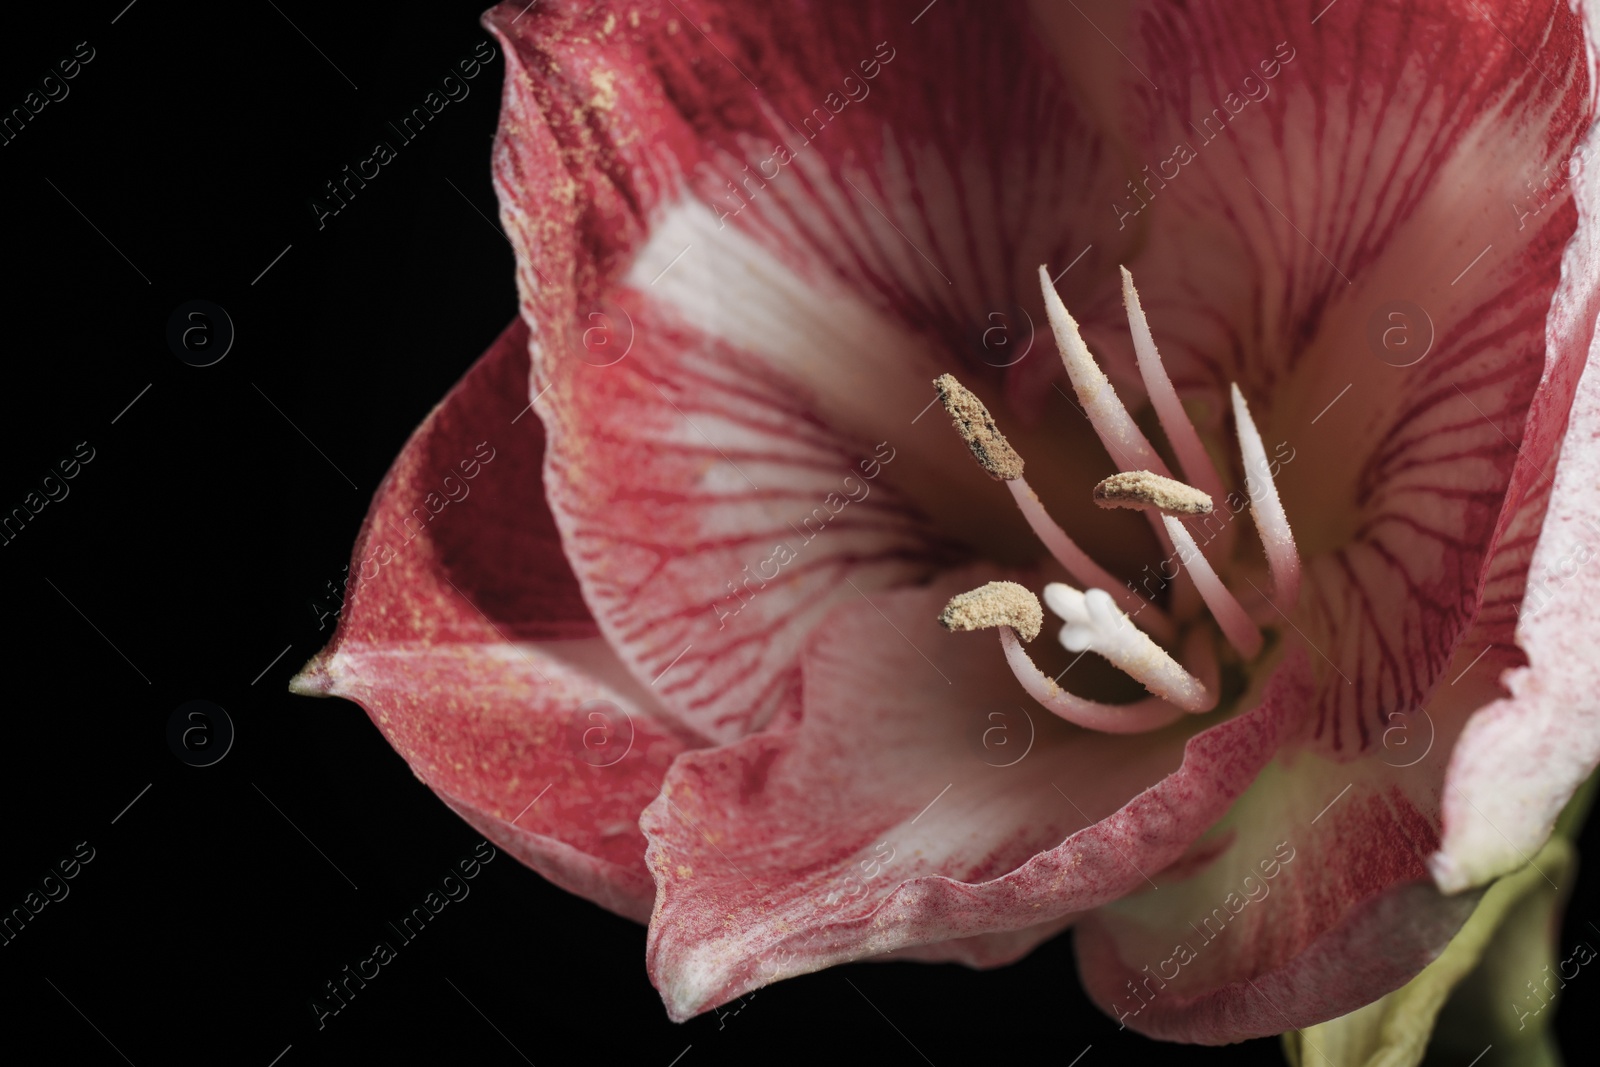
(1093, 623)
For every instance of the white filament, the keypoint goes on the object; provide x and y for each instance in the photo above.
(1093, 619)
(1192, 456)
(1282, 557)
(1241, 633)
(1122, 438)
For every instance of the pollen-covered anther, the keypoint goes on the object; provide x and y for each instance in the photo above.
(1146, 489)
(995, 604)
(977, 428)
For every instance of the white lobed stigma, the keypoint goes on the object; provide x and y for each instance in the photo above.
(1095, 624)
(1103, 617)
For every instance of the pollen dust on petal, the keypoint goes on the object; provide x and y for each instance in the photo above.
(604, 84)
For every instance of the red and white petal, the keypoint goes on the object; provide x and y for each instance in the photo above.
(983, 951)
(1448, 458)
(717, 379)
(713, 520)
(1522, 757)
(1315, 900)
(883, 823)
(462, 507)
(465, 639)
(1370, 191)
(841, 145)
(1374, 948)
(553, 762)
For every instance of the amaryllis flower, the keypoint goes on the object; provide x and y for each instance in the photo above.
(661, 598)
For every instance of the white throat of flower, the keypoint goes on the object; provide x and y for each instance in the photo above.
(1108, 617)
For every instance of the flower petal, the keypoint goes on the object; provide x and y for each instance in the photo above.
(1315, 901)
(883, 823)
(1509, 932)
(761, 362)
(932, 199)
(433, 523)
(466, 641)
(1523, 756)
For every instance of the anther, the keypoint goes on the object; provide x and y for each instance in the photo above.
(1129, 447)
(1006, 606)
(976, 427)
(1145, 489)
(995, 604)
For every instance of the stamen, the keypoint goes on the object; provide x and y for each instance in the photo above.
(1235, 622)
(1282, 556)
(1122, 438)
(1094, 623)
(1142, 489)
(1180, 431)
(976, 427)
(996, 604)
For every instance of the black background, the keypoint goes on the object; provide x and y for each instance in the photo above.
(218, 505)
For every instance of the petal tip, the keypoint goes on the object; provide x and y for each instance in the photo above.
(314, 679)
(694, 986)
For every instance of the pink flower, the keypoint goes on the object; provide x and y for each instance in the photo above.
(679, 649)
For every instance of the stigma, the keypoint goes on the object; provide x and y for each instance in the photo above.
(1106, 616)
